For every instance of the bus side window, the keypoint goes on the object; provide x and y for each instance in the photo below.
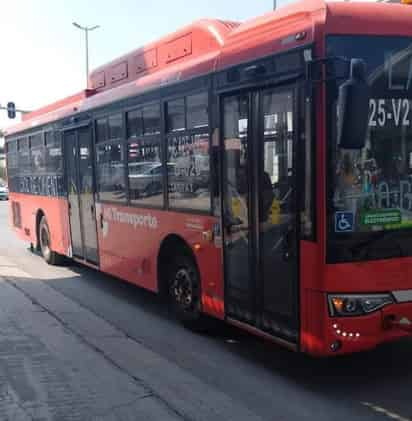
(110, 160)
(144, 152)
(12, 166)
(54, 157)
(188, 155)
(23, 156)
(37, 151)
(197, 111)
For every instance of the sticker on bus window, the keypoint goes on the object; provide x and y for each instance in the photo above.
(275, 212)
(344, 221)
(381, 217)
(236, 207)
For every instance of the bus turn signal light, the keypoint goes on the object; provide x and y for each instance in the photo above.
(406, 1)
(338, 304)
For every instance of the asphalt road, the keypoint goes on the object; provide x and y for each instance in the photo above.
(274, 384)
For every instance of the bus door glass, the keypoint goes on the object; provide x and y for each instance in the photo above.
(277, 210)
(79, 166)
(71, 155)
(237, 208)
(259, 215)
(87, 195)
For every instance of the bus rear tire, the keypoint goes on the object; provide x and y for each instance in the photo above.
(50, 256)
(185, 294)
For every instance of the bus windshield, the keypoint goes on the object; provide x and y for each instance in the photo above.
(370, 190)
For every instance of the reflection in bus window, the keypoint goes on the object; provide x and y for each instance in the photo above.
(197, 114)
(236, 154)
(151, 119)
(38, 160)
(37, 152)
(115, 124)
(101, 130)
(145, 171)
(236, 194)
(23, 155)
(189, 171)
(11, 148)
(176, 115)
(278, 156)
(110, 172)
(134, 123)
(374, 184)
(54, 158)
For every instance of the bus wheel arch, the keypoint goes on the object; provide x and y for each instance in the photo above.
(43, 235)
(39, 215)
(176, 263)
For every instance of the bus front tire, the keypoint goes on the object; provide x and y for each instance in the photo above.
(50, 256)
(185, 294)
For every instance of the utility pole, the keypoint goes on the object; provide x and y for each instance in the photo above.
(86, 30)
(274, 4)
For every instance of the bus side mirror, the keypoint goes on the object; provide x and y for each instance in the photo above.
(353, 108)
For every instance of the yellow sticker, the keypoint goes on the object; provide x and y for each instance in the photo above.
(275, 212)
(236, 207)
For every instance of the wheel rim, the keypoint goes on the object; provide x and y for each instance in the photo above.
(44, 241)
(183, 289)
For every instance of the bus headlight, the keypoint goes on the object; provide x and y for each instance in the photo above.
(356, 305)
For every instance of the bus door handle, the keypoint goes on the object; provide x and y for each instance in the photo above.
(101, 220)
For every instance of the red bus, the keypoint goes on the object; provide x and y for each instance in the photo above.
(259, 173)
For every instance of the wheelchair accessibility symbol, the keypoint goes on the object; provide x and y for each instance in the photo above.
(344, 221)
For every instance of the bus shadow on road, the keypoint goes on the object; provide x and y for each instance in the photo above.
(383, 373)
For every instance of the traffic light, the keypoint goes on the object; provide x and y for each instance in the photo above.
(11, 109)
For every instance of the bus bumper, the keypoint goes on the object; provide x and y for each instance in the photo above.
(346, 335)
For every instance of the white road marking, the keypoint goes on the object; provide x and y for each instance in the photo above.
(390, 414)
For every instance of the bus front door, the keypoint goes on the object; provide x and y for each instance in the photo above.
(259, 211)
(81, 193)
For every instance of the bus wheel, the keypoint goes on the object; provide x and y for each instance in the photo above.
(184, 292)
(50, 256)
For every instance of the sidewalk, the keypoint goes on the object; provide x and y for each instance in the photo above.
(59, 361)
(48, 373)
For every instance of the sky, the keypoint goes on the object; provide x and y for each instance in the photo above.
(42, 55)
